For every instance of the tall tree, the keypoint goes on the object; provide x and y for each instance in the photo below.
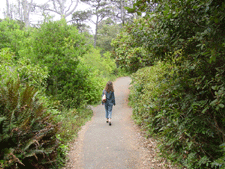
(100, 9)
(79, 18)
(120, 13)
(63, 8)
(26, 11)
(7, 9)
(20, 11)
(108, 30)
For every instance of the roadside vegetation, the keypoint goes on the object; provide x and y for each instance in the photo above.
(173, 50)
(176, 54)
(49, 75)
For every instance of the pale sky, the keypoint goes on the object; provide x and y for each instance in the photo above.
(34, 18)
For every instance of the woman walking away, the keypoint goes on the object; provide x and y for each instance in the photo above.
(109, 102)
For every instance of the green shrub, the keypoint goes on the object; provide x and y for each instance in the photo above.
(105, 65)
(188, 123)
(129, 52)
(70, 123)
(27, 132)
(99, 70)
(57, 46)
(185, 108)
(12, 35)
(22, 69)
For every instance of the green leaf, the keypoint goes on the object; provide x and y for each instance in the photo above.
(139, 13)
(203, 111)
(170, 16)
(214, 87)
(203, 160)
(130, 10)
(221, 105)
(195, 7)
(216, 20)
(213, 103)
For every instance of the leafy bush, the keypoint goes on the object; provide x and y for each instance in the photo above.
(27, 132)
(128, 48)
(23, 69)
(100, 70)
(105, 65)
(12, 35)
(70, 123)
(28, 74)
(57, 46)
(189, 124)
(186, 106)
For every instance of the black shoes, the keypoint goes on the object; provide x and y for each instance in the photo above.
(109, 121)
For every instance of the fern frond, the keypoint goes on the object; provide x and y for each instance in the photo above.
(15, 159)
(2, 118)
(29, 143)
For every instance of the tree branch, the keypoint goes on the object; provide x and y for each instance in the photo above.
(71, 3)
(61, 7)
(52, 11)
(54, 5)
(92, 21)
(72, 9)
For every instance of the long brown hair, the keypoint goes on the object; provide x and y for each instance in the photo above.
(109, 87)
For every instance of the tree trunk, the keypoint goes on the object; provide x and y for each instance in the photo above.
(25, 13)
(7, 9)
(122, 11)
(20, 10)
(96, 31)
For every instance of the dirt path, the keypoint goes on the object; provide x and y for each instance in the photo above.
(120, 146)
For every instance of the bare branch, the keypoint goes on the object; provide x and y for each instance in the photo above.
(71, 3)
(61, 7)
(92, 21)
(54, 5)
(52, 11)
(58, 7)
(72, 9)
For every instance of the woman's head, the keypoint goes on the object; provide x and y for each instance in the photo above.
(109, 86)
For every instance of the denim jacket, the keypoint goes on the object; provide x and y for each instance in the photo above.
(110, 97)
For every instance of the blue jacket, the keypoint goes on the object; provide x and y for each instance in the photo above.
(110, 97)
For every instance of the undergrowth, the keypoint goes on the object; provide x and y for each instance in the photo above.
(186, 120)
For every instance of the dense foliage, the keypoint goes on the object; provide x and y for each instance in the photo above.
(182, 101)
(129, 53)
(48, 77)
(99, 69)
(57, 46)
(27, 132)
(106, 32)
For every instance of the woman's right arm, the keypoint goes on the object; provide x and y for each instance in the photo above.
(114, 102)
